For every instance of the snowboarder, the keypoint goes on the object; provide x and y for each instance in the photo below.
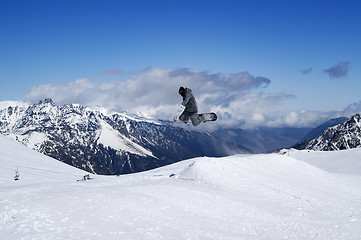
(191, 110)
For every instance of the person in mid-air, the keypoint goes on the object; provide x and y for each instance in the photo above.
(190, 108)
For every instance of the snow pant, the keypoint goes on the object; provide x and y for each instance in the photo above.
(193, 116)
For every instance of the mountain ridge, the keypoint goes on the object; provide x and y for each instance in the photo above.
(106, 144)
(345, 135)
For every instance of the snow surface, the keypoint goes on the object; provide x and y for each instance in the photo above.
(267, 196)
(344, 161)
(112, 138)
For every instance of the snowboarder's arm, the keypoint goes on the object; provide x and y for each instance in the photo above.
(186, 99)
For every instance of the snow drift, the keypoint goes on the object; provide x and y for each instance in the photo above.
(266, 196)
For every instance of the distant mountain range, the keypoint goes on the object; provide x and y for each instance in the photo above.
(345, 135)
(263, 140)
(118, 143)
(102, 143)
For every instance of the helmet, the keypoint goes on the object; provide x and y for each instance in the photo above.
(181, 90)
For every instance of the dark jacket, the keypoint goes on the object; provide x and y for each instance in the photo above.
(189, 101)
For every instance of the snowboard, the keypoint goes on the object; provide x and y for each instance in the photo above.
(208, 116)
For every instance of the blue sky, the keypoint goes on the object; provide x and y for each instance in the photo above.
(309, 51)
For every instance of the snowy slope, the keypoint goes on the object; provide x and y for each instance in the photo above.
(343, 161)
(34, 167)
(266, 196)
(111, 138)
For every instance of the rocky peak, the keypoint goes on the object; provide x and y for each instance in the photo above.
(339, 137)
(46, 101)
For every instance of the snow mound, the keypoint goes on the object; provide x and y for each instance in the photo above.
(271, 174)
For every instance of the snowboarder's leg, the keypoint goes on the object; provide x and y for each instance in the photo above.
(184, 117)
(193, 116)
(196, 119)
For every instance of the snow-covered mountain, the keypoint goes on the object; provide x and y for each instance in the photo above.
(104, 143)
(299, 195)
(342, 136)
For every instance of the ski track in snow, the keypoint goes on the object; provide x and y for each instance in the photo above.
(265, 196)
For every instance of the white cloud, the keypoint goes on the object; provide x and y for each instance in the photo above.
(154, 93)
